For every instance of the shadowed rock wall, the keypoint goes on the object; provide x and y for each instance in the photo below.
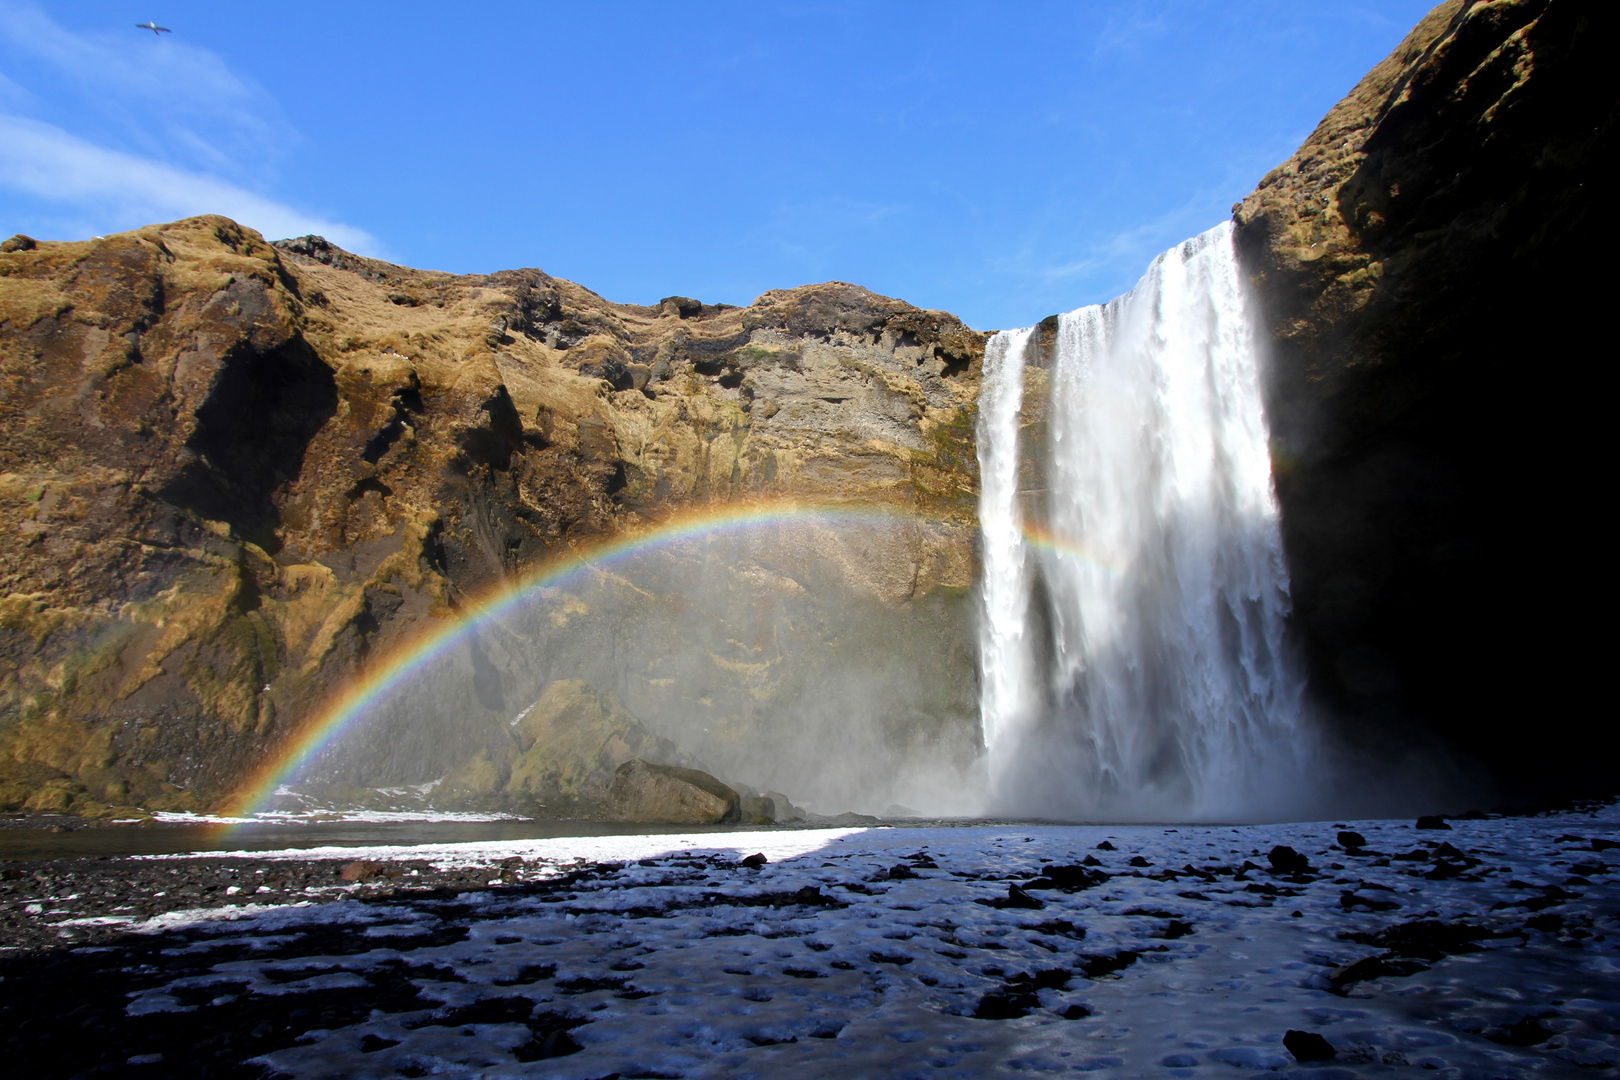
(1436, 266)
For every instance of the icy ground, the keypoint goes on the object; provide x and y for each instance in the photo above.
(1491, 950)
(322, 816)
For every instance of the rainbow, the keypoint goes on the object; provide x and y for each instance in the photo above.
(374, 684)
(1044, 539)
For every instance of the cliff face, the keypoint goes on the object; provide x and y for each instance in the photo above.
(1433, 262)
(232, 472)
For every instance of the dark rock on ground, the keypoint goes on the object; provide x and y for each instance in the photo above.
(1007, 1004)
(1351, 900)
(1307, 1046)
(1351, 840)
(1068, 878)
(1097, 965)
(1018, 898)
(1285, 860)
(1528, 1031)
(1431, 821)
(1425, 939)
(1373, 967)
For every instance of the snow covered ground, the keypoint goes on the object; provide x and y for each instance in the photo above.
(322, 816)
(1491, 950)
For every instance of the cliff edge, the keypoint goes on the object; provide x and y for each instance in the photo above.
(1433, 264)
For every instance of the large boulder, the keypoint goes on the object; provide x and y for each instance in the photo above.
(558, 757)
(668, 794)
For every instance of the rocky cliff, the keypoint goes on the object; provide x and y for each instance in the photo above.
(233, 472)
(1433, 263)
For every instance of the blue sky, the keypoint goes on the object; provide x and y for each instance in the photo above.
(1002, 161)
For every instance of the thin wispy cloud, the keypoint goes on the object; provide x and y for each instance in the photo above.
(1129, 30)
(815, 230)
(124, 136)
(48, 163)
(1106, 266)
(159, 94)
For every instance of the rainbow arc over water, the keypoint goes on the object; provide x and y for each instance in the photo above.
(384, 675)
(1043, 539)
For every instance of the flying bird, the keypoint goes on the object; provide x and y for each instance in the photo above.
(157, 31)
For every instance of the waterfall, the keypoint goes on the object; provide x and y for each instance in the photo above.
(1004, 687)
(1133, 656)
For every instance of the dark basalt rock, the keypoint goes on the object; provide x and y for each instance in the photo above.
(1349, 901)
(1373, 967)
(1446, 232)
(1068, 878)
(1018, 898)
(1097, 965)
(1308, 1046)
(1528, 1031)
(1285, 860)
(1425, 939)
(1431, 821)
(1009, 1004)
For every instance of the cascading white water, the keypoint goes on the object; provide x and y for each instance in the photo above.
(1133, 654)
(1005, 662)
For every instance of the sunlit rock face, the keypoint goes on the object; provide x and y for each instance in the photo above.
(235, 474)
(1432, 264)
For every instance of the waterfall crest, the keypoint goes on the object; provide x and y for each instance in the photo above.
(1133, 658)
